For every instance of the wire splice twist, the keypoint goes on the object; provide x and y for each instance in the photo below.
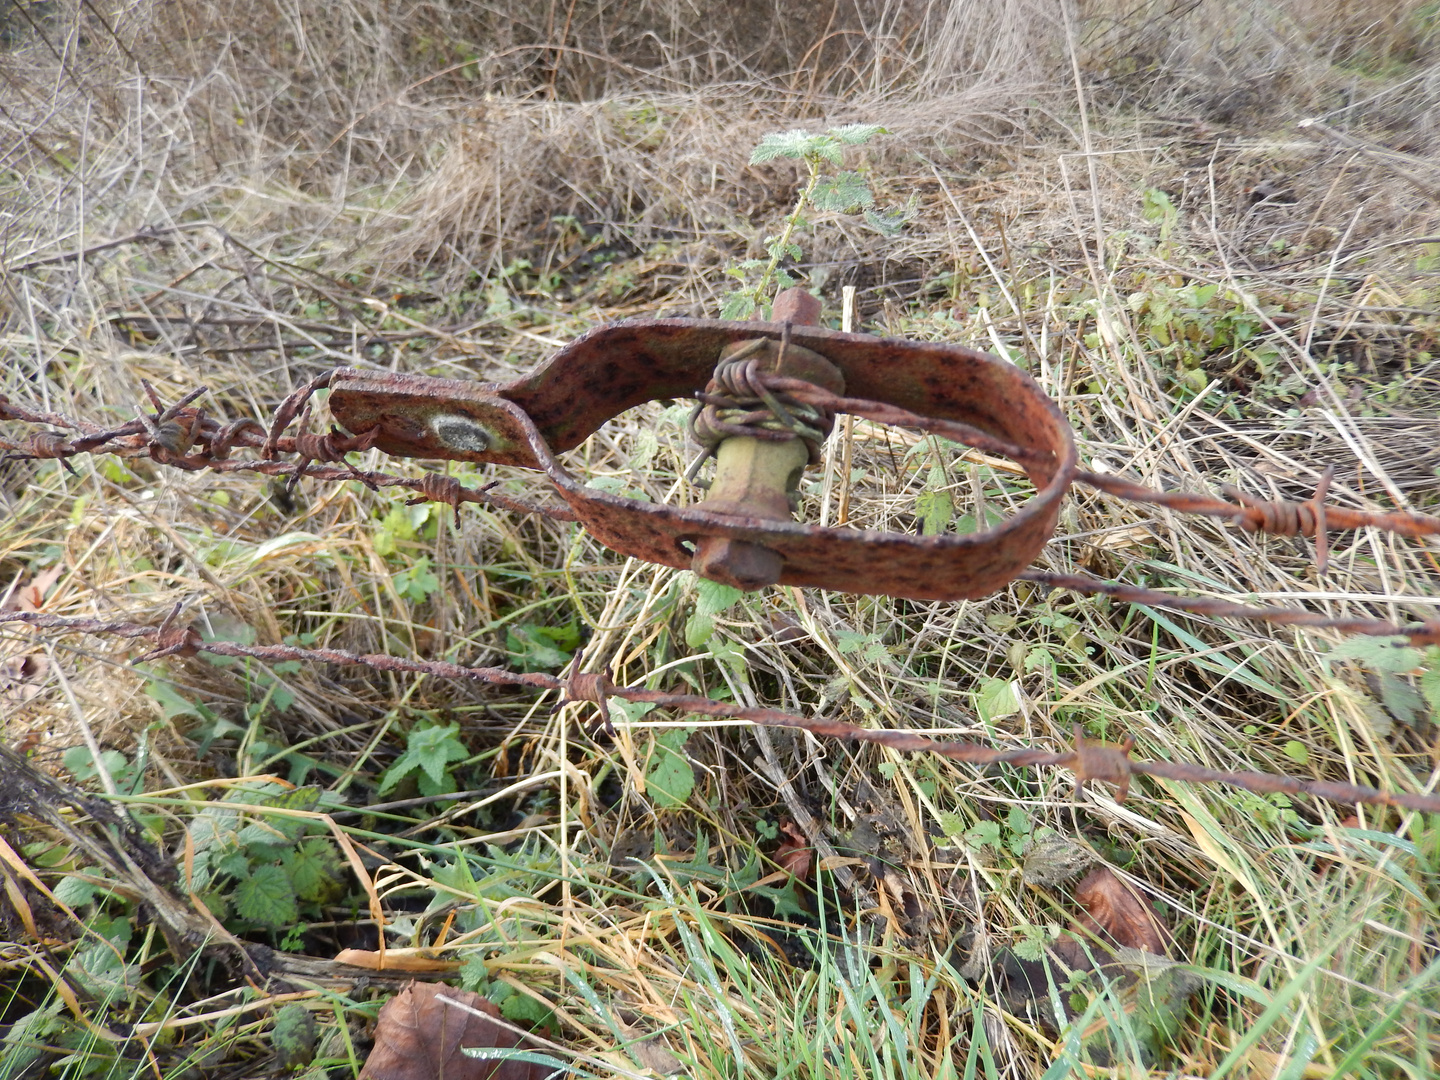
(738, 402)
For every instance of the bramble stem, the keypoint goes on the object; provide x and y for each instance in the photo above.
(790, 223)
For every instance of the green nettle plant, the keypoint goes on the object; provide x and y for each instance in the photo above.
(825, 190)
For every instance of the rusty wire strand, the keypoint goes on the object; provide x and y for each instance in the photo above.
(1281, 518)
(200, 442)
(1425, 633)
(1088, 760)
(742, 400)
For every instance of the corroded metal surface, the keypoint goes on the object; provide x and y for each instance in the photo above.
(612, 369)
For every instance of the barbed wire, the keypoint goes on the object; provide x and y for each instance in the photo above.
(187, 438)
(182, 436)
(1087, 759)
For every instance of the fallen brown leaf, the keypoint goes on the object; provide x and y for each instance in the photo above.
(795, 853)
(30, 597)
(1118, 917)
(22, 677)
(420, 1037)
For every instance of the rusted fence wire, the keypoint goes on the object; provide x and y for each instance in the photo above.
(1088, 759)
(185, 437)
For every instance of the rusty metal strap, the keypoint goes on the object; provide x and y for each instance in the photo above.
(945, 390)
(956, 392)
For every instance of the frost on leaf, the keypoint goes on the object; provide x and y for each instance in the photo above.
(855, 134)
(787, 144)
(1392, 654)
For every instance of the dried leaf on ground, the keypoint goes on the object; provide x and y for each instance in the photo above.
(1123, 944)
(795, 854)
(22, 677)
(1054, 859)
(1117, 916)
(654, 1055)
(420, 1037)
(32, 596)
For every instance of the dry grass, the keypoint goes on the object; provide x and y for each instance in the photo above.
(503, 177)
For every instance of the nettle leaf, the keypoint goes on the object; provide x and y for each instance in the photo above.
(266, 897)
(260, 835)
(1018, 821)
(870, 646)
(1039, 659)
(936, 510)
(984, 834)
(474, 975)
(826, 149)
(784, 144)
(73, 891)
(1430, 680)
(1392, 654)
(233, 863)
(845, 192)
(952, 825)
(893, 219)
(417, 582)
(856, 134)
(737, 306)
(540, 648)
(81, 763)
(435, 747)
(778, 249)
(670, 779)
(300, 798)
(430, 750)
(523, 1009)
(711, 599)
(312, 869)
(28, 1036)
(170, 702)
(1402, 699)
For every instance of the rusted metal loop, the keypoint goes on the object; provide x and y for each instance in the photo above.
(738, 401)
(959, 392)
